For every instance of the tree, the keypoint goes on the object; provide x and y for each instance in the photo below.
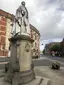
(56, 48)
(44, 52)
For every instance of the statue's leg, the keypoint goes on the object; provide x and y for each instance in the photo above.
(27, 26)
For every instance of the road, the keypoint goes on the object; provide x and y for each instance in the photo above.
(47, 61)
(42, 61)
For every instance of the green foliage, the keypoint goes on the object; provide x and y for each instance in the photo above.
(44, 52)
(55, 48)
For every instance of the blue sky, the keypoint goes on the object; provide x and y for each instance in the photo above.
(46, 15)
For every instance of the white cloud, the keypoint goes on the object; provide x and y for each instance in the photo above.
(46, 15)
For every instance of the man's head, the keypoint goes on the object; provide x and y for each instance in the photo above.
(23, 3)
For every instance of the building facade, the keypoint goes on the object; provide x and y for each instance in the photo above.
(48, 47)
(6, 20)
(35, 35)
(5, 29)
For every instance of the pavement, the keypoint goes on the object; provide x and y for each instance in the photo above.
(43, 68)
(56, 76)
(39, 81)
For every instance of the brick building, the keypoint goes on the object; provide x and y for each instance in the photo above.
(36, 44)
(6, 20)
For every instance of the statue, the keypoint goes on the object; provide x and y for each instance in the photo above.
(20, 69)
(22, 18)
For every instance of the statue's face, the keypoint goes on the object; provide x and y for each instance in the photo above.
(23, 3)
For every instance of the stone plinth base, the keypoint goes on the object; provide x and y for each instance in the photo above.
(23, 77)
(37, 81)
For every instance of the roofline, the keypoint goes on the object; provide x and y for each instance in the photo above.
(32, 27)
(6, 14)
(11, 16)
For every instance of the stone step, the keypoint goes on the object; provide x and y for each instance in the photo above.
(39, 81)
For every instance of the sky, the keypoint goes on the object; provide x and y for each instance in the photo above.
(46, 15)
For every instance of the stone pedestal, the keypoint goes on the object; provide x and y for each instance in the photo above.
(37, 81)
(21, 66)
